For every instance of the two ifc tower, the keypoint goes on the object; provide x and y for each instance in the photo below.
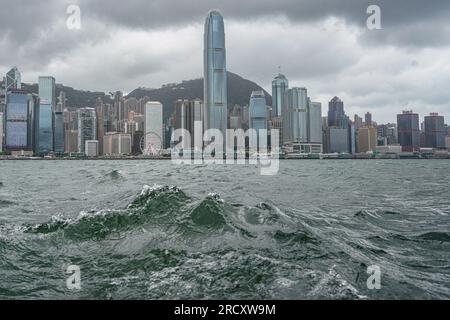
(215, 73)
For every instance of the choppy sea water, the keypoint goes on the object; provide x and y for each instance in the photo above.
(155, 230)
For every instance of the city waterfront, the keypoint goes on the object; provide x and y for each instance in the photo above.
(155, 230)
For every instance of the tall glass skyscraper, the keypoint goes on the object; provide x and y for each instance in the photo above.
(279, 87)
(435, 131)
(18, 120)
(257, 111)
(215, 73)
(336, 114)
(408, 131)
(44, 116)
(295, 117)
(13, 79)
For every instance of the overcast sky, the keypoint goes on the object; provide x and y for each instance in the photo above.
(323, 45)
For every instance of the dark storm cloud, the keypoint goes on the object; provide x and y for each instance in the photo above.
(39, 26)
(405, 22)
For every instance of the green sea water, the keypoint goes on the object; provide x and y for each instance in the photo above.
(155, 230)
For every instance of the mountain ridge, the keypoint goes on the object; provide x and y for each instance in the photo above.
(239, 91)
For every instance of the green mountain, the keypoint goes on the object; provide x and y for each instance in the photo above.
(239, 91)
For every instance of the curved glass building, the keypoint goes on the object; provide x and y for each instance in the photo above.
(215, 73)
(258, 111)
(279, 87)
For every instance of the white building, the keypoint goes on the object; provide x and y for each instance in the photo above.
(116, 144)
(315, 132)
(154, 129)
(295, 115)
(91, 148)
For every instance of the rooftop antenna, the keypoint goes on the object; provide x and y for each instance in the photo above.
(279, 69)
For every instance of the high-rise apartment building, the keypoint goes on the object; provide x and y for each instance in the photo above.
(187, 112)
(87, 127)
(101, 123)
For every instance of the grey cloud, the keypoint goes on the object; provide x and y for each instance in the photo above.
(397, 16)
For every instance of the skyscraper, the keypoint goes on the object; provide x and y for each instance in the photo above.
(44, 115)
(13, 79)
(87, 127)
(295, 116)
(59, 123)
(215, 73)
(116, 144)
(315, 134)
(435, 131)
(187, 112)
(336, 114)
(100, 110)
(71, 141)
(154, 133)
(368, 119)
(18, 133)
(257, 111)
(367, 139)
(236, 117)
(338, 133)
(279, 87)
(358, 122)
(408, 131)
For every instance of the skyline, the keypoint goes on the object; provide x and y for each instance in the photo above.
(330, 52)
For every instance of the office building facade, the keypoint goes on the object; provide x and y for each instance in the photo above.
(187, 112)
(367, 139)
(279, 87)
(315, 134)
(435, 131)
(215, 73)
(117, 144)
(18, 121)
(154, 128)
(87, 127)
(408, 131)
(295, 116)
(44, 115)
